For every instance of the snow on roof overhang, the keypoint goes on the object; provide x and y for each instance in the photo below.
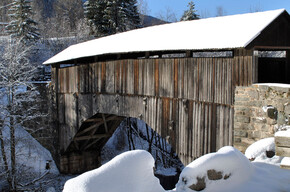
(226, 32)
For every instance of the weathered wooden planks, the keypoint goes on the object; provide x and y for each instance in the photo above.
(188, 101)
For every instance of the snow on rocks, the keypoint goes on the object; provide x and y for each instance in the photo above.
(284, 133)
(263, 151)
(285, 161)
(229, 170)
(223, 170)
(131, 171)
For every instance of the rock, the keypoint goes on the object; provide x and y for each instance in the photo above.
(214, 175)
(200, 185)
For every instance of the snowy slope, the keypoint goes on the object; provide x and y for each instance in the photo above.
(30, 155)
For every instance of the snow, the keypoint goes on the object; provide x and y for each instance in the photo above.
(286, 161)
(129, 172)
(31, 156)
(274, 85)
(257, 151)
(243, 175)
(285, 133)
(228, 160)
(211, 33)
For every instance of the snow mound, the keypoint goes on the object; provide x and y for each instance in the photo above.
(263, 151)
(131, 171)
(220, 171)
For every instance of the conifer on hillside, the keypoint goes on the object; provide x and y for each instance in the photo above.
(21, 25)
(106, 17)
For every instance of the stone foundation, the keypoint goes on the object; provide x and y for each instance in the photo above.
(260, 110)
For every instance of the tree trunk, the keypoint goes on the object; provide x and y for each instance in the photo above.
(13, 159)
(4, 158)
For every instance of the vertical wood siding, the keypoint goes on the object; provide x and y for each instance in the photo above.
(189, 101)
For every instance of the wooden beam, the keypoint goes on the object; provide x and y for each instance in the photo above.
(93, 120)
(105, 123)
(275, 48)
(97, 125)
(91, 144)
(99, 136)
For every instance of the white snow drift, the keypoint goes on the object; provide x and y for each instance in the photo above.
(129, 172)
(227, 170)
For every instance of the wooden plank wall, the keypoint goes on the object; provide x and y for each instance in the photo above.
(189, 101)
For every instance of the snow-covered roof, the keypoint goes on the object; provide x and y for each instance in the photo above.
(226, 32)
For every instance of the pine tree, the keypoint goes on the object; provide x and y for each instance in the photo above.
(94, 14)
(21, 25)
(132, 13)
(190, 14)
(107, 17)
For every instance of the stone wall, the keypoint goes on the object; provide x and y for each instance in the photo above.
(260, 110)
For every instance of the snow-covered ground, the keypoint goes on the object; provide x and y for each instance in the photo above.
(133, 171)
(226, 170)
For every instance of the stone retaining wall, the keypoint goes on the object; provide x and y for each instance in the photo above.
(260, 110)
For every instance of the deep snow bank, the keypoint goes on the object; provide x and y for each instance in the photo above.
(129, 172)
(223, 171)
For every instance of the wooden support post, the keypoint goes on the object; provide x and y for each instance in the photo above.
(287, 70)
(147, 55)
(188, 53)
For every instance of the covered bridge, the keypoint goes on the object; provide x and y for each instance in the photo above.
(179, 78)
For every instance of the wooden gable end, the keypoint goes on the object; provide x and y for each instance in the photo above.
(275, 35)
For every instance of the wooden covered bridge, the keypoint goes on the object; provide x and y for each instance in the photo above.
(179, 78)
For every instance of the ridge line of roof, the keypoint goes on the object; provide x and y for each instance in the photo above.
(212, 39)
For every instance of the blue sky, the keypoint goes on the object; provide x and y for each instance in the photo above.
(208, 8)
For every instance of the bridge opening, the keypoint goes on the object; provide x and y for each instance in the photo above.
(133, 134)
(104, 136)
(273, 67)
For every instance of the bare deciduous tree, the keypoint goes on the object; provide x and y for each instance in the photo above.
(168, 15)
(220, 11)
